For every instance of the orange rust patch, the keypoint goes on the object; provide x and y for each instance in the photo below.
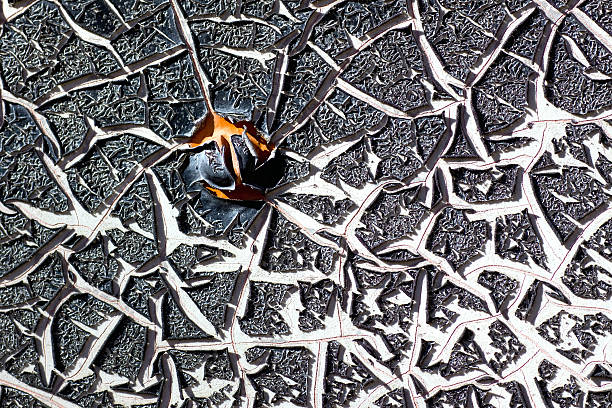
(241, 192)
(215, 127)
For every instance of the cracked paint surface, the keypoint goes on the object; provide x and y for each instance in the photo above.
(434, 229)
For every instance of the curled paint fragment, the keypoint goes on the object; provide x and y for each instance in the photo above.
(227, 157)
